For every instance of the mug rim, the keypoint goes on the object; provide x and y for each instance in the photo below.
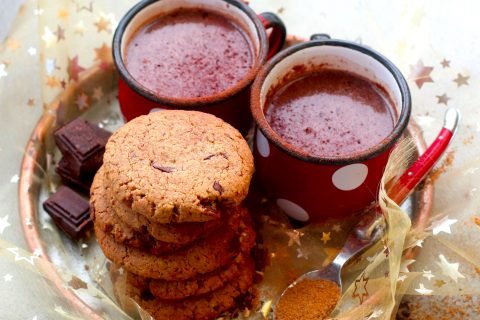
(188, 102)
(355, 157)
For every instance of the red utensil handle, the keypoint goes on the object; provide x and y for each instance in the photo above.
(415, 174)
(277, 37)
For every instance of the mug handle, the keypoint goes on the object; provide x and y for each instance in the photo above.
(277, 37)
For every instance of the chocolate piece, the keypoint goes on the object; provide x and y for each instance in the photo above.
(69, 211)
(157, 166)
(82, 145)
(81, 183)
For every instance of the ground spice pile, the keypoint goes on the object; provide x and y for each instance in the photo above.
(308, 300)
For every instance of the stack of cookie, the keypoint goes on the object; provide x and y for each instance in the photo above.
(166, 207)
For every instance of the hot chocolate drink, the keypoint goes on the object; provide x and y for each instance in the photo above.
(330, 113)
(190, 53)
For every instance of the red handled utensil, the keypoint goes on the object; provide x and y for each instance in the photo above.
(371, 226)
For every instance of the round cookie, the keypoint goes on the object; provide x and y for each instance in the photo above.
(104, 217)
(205, 256)
(208, 306)
(178, 166)
(176, 290)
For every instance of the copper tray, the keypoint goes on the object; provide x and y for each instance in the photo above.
(34, 180)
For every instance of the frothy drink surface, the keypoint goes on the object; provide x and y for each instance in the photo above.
(189, 53)
(330, 113)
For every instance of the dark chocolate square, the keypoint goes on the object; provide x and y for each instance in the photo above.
(69, 211)
(82, 145)
(80, 183)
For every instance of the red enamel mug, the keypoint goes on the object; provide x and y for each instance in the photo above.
(310, 188)
(232, 104)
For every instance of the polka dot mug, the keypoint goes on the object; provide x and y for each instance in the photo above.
(310, 188)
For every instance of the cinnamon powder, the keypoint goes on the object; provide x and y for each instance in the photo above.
(308, 300)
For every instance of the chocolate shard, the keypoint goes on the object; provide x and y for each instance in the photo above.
(217, 186)
(69, 211)
(158, 166)
(223, 154)
(82, 145)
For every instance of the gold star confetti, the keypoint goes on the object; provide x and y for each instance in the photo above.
(48, 37)
(360, 290)
(102, 25)
(60, 33)
(13, 44)
(439, 283)
(104, 55)
(74, 68)
(82, 101)
(442, 225)
(422, 290)
(19, 257)
(30, 102)
(418, 243)
(325, 237)
(4, 223)
(461, 80)
(443, 99)
(52, 82)
(265, 309)
(79, 28)
(428, 274)
(445, 63)
(294, 237)
(8, 277)
(98, 94)
(63, 14)
(337, 228)
(3, 73)
(420, 74)
(449, 269)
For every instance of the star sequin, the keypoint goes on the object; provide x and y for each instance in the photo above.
(97, 93)
(442, 225)
(104, 55)
(4, 223)
(3, 73)
(402, 278)
(63, 14)
(14, 178)
(8, 277)
(50, 65)
(428, 274)
(461, 80)
(60, 33)
(102, 25)
(405, 264)
(82, 101)
(294, 237)
(48, 36)
(449, 269)
(420, 74)
(52, 82)
(79, 28)
(74, 69)
(360, 290)
(445, 63)
(302, 254)
(325, 237)
(337, 228)
(422, 290)
(443, 99)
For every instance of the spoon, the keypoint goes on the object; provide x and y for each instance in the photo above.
(371, 226)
